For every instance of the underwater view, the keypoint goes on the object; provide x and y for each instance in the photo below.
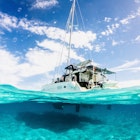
(69, 70)
(37, 115)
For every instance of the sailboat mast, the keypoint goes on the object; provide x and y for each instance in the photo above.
(70, 28)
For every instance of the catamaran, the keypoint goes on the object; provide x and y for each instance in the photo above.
(83, 76)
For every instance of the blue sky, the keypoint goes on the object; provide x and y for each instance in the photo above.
(32, 35)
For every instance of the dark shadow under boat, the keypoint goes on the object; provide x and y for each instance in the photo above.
(56, 122)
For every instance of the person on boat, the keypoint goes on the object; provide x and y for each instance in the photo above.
(57, 80)
(100, 79)
(90, 83)
(74, 78)
(62, 79)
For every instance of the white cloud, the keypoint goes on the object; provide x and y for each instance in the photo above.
(40, 28)
(43, 4)
(9, 72)
(97, 48)
(137, 1)
(138, 12)
(33, 26)
(36, 62)
(129, 65)
(110, 29)
(7, 21)
(82, 39)
(86, 38)
(127, 20)
(13, 72)
(107, 19)
(137, 38)
(130, 17)
(114, 43)
(56, 49)
(116, 19)
(19, 9)
(55, 33)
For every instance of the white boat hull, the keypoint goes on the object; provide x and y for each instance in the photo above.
(72, 86)
(62, 87)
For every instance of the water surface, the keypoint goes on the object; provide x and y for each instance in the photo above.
(103, 115)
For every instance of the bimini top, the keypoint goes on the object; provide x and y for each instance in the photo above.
(82, 66)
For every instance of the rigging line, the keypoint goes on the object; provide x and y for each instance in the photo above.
(81, 15)
(77, 21)
(56, 70)
(59, 62)
(84, 28)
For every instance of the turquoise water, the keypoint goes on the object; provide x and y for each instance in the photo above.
(103, 115)
(131, 95)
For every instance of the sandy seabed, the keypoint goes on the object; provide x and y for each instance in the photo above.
(97, 123)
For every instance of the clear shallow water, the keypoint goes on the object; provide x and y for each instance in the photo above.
(111, 116)
(131, 95)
